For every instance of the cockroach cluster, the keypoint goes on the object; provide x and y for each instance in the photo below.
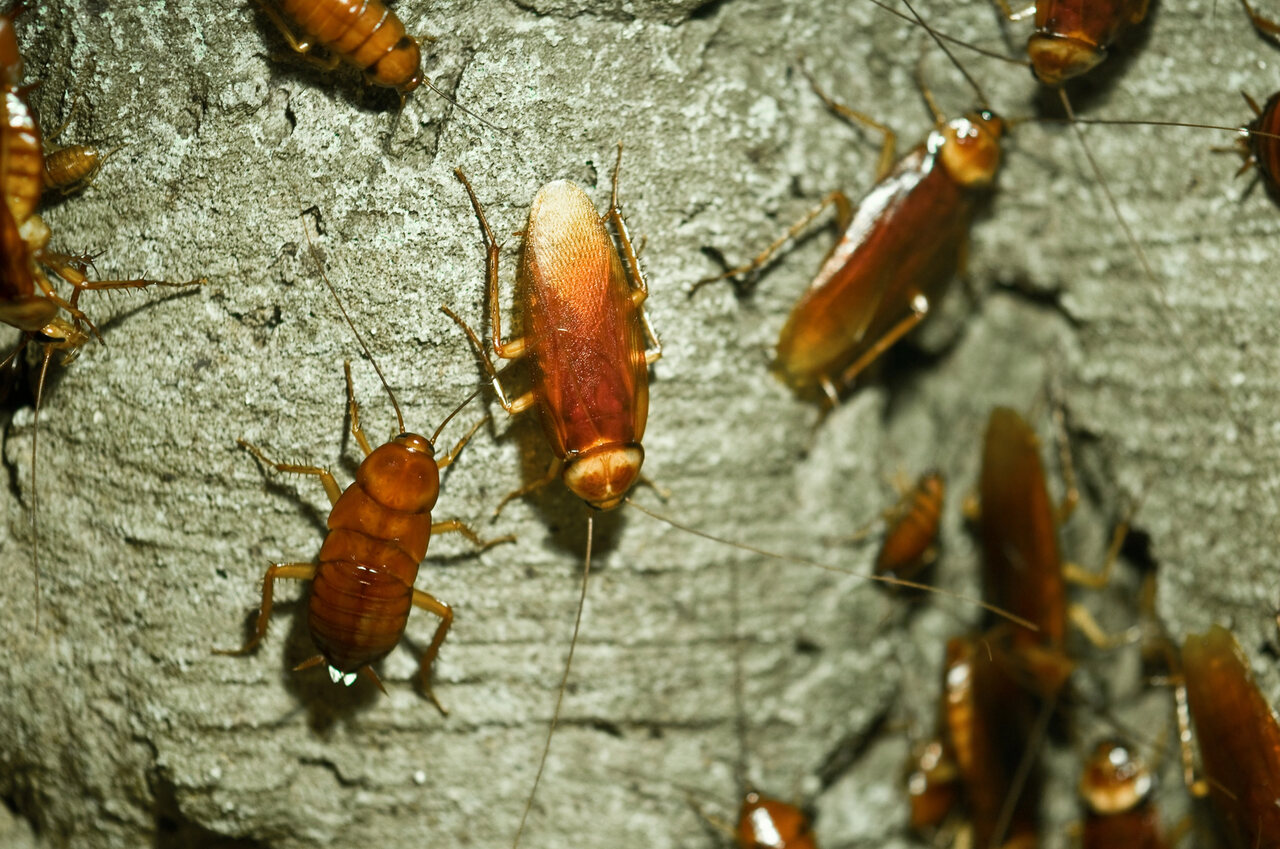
(581, 359)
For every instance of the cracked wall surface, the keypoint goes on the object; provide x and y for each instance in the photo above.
(119, 728)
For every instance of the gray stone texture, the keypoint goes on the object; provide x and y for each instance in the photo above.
(119, 728)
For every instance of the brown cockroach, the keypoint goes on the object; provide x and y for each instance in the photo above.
(1072, 36)
(767, 823)
(28, 300)
(1239, 739)
(910, 542)
(362, 585)
(992, 724)
(589, 345)
(1116, 790)
(365, 35)
(896, 253)
(1022, 567)
(73, 167)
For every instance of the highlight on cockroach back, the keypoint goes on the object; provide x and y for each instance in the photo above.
(362, 585)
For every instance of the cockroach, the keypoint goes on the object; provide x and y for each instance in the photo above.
(910, 542)
(74, 167)
(992, 723)
(1261, 150)
(1022, 569)
(895, 255)
(589, 345)
(1239, 738)
(363, 34)
(362, 585)
(1072, 36)
(28, 300)
(1116, 790)
(767, 823)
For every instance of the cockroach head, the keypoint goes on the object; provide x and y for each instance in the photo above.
(1115, 780)
(971, 148)
(603, 476)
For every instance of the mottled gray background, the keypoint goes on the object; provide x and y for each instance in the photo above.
(118, 728)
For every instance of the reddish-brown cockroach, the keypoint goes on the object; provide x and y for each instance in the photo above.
(28, 300)
(1023, 571)
(589, 345)
(1072, 36)
(1239, 738)
(364, 34)
(1116, 787)
(767, 823)
(896, 253)
(910, 542)
(991, 723)
(362, 585)
(587, 339)
(74, 167)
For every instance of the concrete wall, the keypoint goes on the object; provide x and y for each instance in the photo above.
(118, 728)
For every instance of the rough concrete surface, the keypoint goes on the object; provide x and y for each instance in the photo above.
(119, 728)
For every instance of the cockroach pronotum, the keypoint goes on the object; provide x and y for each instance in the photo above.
(589, 345)
(364, 34)
(362, 583)
(1116, 787)
(1238, 736)
(896, 253)
(910, 542)
(28, 300)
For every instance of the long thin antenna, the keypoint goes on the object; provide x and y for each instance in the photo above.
(804, 561)
(456, 410)
(427, 82)
(35, 499)
(1120, 122)
(991, 54)
(939, 41)
(564, 681)
(1162, 297)
(315, 256)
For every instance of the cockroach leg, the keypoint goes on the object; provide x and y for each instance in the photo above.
(1083, 577)
(1071, 495)
(1264, 25)
(521, 403)
(460, 527)
(430, 603)
(844, 214)
(553, 472)
(353, 411)
(889, 143)
(513, 349)
(919, 310)
(290, 571)
(447, 459)
(299, 45)
(640, 290)
(331, 487)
